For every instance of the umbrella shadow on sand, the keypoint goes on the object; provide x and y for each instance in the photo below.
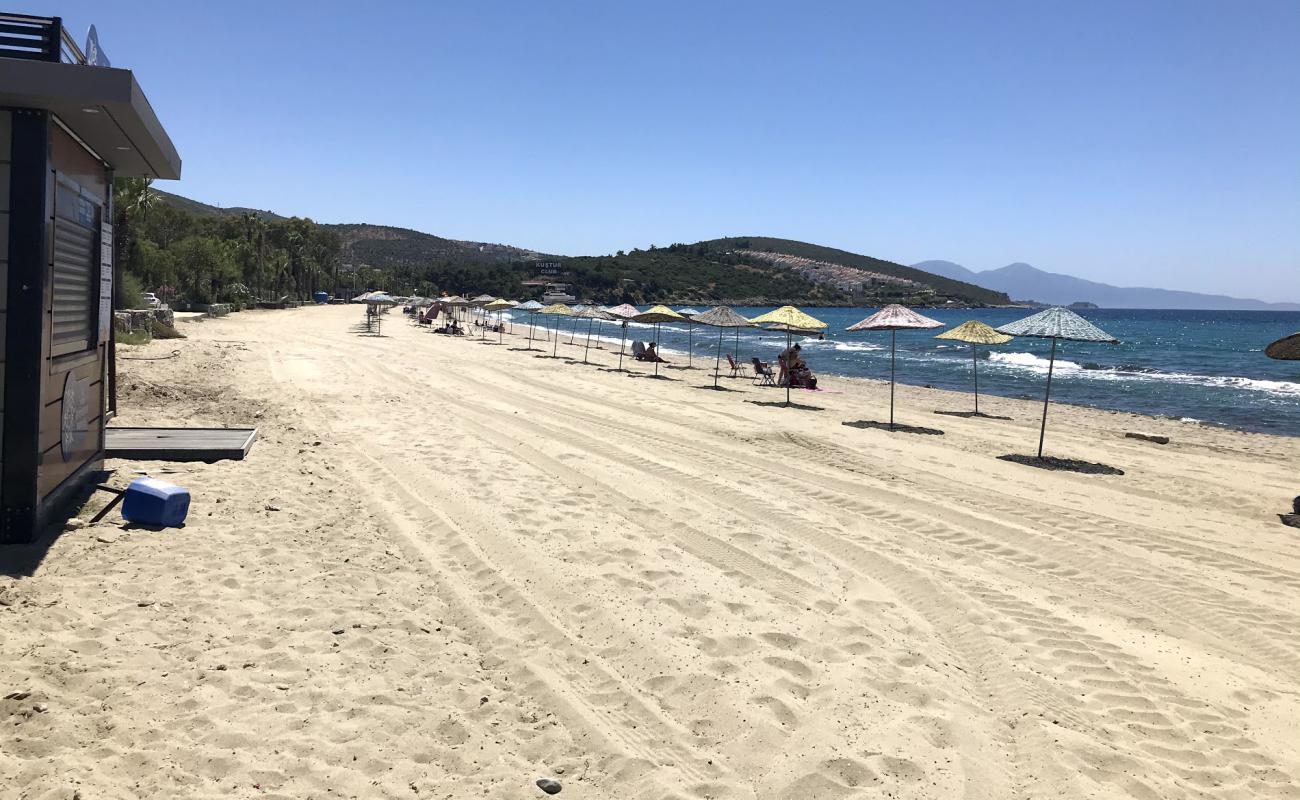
(971, 414)
(897, 427)
(783, 404)
(713, 388)
(1063, 464)
(526, 350)
(650, 377)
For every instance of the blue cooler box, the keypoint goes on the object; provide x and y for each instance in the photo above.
(149, 501)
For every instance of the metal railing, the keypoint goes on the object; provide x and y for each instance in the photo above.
(37, 39)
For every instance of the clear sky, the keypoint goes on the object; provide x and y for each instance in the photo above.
(1138, 143)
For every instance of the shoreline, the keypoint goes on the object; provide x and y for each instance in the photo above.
(984, 392)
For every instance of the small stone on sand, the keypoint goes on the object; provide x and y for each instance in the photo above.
(549, 786)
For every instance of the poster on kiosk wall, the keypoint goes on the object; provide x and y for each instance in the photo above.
(105, 280)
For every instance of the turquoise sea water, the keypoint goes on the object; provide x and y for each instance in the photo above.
(1202, 365)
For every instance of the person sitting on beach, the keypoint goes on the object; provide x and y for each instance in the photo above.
(800, 375)
(652, 354)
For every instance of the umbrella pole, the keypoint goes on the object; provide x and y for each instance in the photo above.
(555, 345)
(532, 326)
(1047, 396)
(787, 368)
(975, 366)
(737, 347)
(717, 368)
(893, 337)
(590, 322)
(621, 339)
(501, 329)
(690, 345)
(657, 356)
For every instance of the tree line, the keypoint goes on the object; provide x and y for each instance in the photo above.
(229, 258)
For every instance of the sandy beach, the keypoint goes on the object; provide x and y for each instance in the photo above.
(450, 568)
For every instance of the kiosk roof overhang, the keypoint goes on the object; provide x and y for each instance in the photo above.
(103, 106)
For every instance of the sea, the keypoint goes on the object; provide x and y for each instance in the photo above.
(1196, 366)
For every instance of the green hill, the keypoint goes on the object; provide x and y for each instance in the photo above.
(204, 210)
(386, 247)
(943, 287)
(749, 270)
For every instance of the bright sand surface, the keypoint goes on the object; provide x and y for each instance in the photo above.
(448, 569)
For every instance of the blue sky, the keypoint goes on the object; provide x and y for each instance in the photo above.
(1139, 143)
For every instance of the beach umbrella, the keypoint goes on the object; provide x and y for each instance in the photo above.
(532, 307)
(578, 310)
(479, 302)
(591, 314)
(657, 315)
(721, 318)
(498, 306)
(622, 312)
(791, 320)
(557, 310)
(975, 333)
(894, 318)
(689, 313)
(1285, 349)
(374, 300)
(1055, 323)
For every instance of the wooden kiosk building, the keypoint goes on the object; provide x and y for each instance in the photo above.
(68, 125)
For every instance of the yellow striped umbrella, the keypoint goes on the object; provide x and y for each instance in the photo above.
(975, 333)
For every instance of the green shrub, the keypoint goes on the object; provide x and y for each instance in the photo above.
(130, 294)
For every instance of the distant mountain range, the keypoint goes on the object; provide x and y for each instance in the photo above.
(1024, 282)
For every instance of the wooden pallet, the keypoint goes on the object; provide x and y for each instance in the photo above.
(179, 444)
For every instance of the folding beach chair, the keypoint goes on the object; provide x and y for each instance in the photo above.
(737, 369)
(638, 351)
(763, 374)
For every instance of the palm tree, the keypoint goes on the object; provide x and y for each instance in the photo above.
(132, 199)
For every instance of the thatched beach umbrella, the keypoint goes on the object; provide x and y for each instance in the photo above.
(1285, 349)
(455, 302)
(721, 318)
(657, 315)
(479, 303)
(557, 310)
(975, 333)
(578, 310)
(791, 320)
(623, 313)
(1055, 323)
(591, 314)
(531, 307)
(690, 314)
(894, 318)
(498, 306)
